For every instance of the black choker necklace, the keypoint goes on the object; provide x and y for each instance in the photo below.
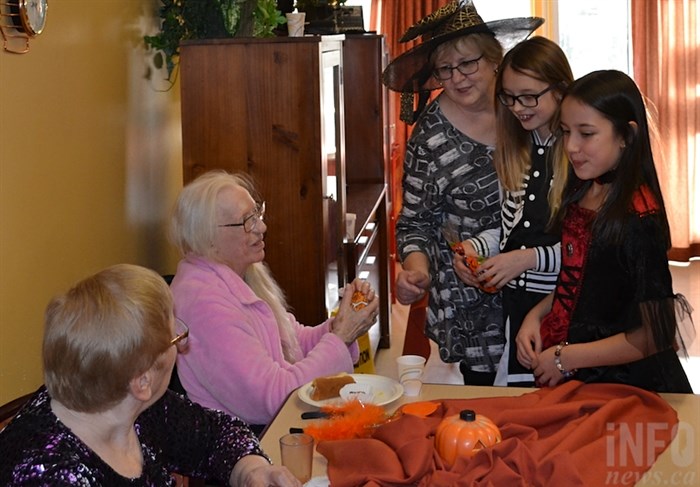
(606, 178)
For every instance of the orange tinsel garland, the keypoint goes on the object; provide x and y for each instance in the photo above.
(352, 419)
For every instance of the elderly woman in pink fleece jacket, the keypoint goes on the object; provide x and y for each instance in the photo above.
(246, 352)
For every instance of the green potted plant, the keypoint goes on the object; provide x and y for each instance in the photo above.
(318, 9)
(209, 19)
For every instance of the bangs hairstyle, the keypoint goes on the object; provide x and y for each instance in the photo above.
(486, 43)
(193, 223)
(102, 333)
(544, 60)
(616, 96)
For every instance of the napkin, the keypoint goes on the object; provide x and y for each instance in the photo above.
(575, 434)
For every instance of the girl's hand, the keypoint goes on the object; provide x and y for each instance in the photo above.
(350, 323)
(545, 370)
(529, 341)
(503, 268)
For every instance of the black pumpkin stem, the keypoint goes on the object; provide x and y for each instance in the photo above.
(467, 415)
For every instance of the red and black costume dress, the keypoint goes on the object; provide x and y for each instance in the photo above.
(605, 289)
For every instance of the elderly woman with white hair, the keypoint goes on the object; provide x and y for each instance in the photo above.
(247, 353)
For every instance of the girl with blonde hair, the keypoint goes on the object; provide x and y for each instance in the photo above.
(529, 87)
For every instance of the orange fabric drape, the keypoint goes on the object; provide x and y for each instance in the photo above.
(666, 51)
(570, 435)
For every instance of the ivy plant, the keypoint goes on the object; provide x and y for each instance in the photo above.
(208, 19)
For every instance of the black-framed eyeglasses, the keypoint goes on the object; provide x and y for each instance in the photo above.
(528, 101)
(182, 333)
(443, 73)
(251, 221)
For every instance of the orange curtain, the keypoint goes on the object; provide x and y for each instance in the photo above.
(392, 18)
(666, 47)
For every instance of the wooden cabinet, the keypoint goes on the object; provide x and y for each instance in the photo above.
(366, 171)
(297, 114)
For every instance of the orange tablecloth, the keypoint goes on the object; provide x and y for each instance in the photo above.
(574, 434)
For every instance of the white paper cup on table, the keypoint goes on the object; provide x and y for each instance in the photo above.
(295, 23)
(411, 373)
(297, 451)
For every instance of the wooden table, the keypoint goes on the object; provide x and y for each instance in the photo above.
(679, 465)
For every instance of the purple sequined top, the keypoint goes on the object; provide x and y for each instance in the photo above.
(176, 435)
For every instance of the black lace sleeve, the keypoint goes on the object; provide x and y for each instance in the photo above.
(648, 265)
(196, 441)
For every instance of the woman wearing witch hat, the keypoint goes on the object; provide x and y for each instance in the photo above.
(451, 195)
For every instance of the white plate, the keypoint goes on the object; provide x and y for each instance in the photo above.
(384, 389)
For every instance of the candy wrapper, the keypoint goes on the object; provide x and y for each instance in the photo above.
(359, 300)
(473, 262)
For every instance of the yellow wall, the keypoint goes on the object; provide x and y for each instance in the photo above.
(90, 163)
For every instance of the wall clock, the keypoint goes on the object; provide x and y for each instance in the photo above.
(32, 16)
(20, 20)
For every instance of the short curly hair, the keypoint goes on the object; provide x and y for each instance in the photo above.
(102, 333)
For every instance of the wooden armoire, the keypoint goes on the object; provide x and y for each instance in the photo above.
(305, 118)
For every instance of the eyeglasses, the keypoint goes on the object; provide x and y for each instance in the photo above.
(183, 332)
(251, 221)
(444, 73)
(528, 101)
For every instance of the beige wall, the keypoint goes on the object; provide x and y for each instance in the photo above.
(90, 163)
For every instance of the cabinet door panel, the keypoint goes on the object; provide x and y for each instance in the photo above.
(275, 109)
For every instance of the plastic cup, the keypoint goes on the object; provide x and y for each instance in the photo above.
(411, 373)
(295, 23)
(297, 451)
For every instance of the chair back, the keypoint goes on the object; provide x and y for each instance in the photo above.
(9, 410)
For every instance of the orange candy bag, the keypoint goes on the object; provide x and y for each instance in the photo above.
(473, 262)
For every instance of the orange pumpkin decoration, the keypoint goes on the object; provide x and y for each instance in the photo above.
(464, 435)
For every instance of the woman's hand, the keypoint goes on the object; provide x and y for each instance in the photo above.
(464, 272)
(411, 286)
(351, 323)
(255, 471)
(545, 370)
(500, 269)
(529, 341)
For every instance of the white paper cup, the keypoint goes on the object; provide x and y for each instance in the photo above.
(295, 23)
(411, 373)
(412, 387)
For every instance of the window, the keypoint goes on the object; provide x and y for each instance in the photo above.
(594, 34)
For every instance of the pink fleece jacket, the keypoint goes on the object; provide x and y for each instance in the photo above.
(235, 362)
